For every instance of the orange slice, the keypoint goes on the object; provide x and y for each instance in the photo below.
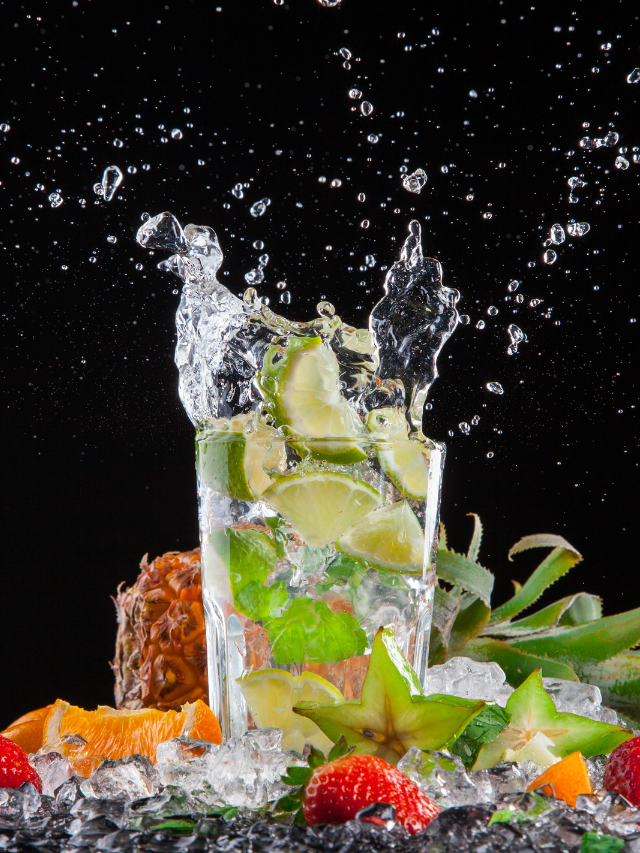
(565, 780)
(87, 737)
(26, 731)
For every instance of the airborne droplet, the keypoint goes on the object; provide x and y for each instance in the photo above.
(259, 208)
(415, 182)
(366, 108)
(111, 180)
(495, 388)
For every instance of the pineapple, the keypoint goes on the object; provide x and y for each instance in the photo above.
(161, 652)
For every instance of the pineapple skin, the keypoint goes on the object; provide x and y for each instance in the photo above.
(161, 652)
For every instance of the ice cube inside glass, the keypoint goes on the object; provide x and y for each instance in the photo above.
(309, 545)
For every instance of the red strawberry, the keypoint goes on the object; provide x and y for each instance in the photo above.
(334, 792)
(15, 769)
(622, 773)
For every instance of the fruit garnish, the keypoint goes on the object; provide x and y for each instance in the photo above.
(230, 456)
(301, 387)
(15, 769)
(161, 653)
(567, 639)
(334, 790)
(565, 780)
(82, 735)
(482, 729)
(622, 771)
(389, 538)
(393, 714)
(321, 506)
(26, 731)
(539, 733)
(404, 461)
(271, 695)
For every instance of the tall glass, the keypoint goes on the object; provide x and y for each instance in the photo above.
(308, 547)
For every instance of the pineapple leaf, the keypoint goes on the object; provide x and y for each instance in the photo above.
(460, 571)
(563, 557)
(476, 539)
(585, 608)
(471, 619)
(548, 617)
(442, 541)
(619, 681)
(516, 664)
(445, 610)
(585, 645)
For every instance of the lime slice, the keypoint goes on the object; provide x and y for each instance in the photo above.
(404, 460)
(302, 383)
(231, 456)
(321, 506)
(390, 538)
(271, 695)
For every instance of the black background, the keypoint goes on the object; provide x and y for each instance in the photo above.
(97, 453)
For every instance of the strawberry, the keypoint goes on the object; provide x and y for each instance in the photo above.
(622, 772)
(335, 791)
(15, 769)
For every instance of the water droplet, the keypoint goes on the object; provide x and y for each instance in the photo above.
(139, 130)
(285, 297)
(373, 138)
(490, 454)
(64, 267)
(258, 244)
(611, 139)
(557, 234)
(535, 302)
(92, 260)
(4, 127)
(329, 3)
(361, 196)
(549, 257)
(55, 199)
(146, 167)
(82, 202)
(345, 53)
(40, 187)
(370, 260)
(415, 182)
(470, 197)
(366, 108)
(164, 139)
(475, 420)
(200, 162)
(111, 180)
(355, 94)
(132, 170)
(622, 163)
(495, 388)
(517, 336)
(365, 223)
(259, 207)
(279, 2)
(606, 46)
(519, 299)
(487, 215)
(632, 77)
(112, 239)
(15, 160)
(118, 143)
(492, 310)
(465, 319)
(145, 216)
(336, 182)
(513, 286)
(139, 266)
(237, 191)
(325, 309)
(464, 428)
(531, 264)
(473, 93)
(444, 169)
(480, 324)
(176, 133)
(577, 229)
(281, 285)
(346, 65)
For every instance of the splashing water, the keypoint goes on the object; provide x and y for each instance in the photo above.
(222, 340)
(575, 182)
(415, 182)
(111, 180)
(260, 207)
(577, 229)
(517, 336)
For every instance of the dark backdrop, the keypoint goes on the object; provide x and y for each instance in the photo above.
(489, 98)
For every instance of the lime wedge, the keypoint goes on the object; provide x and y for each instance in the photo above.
(301, 382)
(321, 506)
(390, 538)
(231, 456)
(404, 460)
(271, 695)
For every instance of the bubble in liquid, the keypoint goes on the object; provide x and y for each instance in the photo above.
(632, 77)
(373, 138)
(465, 319)
(118, 143)
(237, 191)
(557, 234)
(513, 286)
(622, 163)
(259, 207)
(16, 160)
(549, 257)
(361, 196)
(55, 199)
(517, 336)
(464, 428)
(492, 310)
(112, 239)
(111, 180)
(132, 170)
(285, 297)
(415, 182)
(336, 182)
(495, 388)
(4, 127)
(487, 215)
(577, 229)
(345, 53)
(365, 223)
(176, 133)
(480, 324)
(355, 94)
(366, 108)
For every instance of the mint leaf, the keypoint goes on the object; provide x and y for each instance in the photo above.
(309, 630)
(260, 602)
(540, 806)
(342, 572)
(249, 556)
(484, 728)
(598, 842)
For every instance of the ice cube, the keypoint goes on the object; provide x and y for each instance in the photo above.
(19, 804)
(53, 769)
(182, 749)
(444, 779)
(123, 779)
(469, 679)
(574, 697)
(67, 795)
(611, 812)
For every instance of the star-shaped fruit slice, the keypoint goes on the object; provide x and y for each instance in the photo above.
(538, 732)
(393, 714)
